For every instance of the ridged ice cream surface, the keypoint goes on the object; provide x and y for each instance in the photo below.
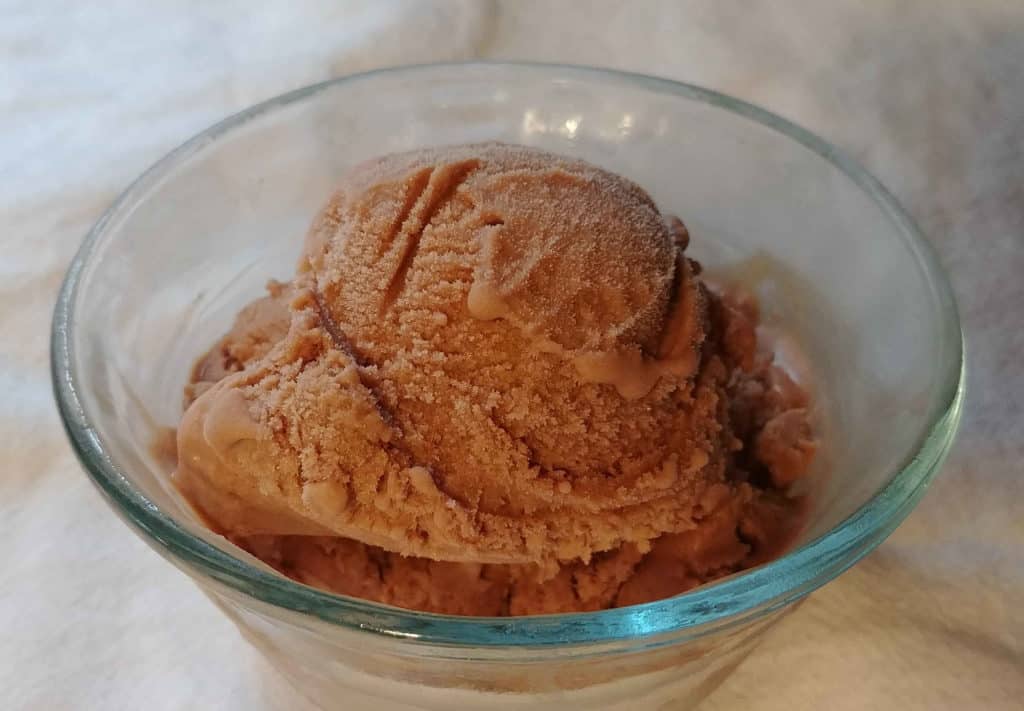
(489, 353)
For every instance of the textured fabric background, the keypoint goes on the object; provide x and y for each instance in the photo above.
(929, 94)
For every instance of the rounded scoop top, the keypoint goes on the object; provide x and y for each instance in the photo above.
(571, 254)
(493, 353)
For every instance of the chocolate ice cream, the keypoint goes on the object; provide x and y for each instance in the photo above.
(495, 386)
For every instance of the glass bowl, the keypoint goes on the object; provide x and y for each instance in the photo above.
(830, 253)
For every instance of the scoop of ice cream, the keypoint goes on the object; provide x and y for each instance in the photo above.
(492, 354)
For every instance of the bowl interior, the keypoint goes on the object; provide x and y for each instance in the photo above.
(835, 267)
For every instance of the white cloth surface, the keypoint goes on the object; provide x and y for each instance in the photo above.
(929, 94)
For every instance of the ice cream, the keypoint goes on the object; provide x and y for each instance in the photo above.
(495, 386)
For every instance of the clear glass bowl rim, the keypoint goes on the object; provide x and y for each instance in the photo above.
(710, 609)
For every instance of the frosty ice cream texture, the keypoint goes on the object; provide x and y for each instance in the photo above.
(494, 355)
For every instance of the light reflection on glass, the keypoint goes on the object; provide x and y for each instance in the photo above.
(532, 123)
